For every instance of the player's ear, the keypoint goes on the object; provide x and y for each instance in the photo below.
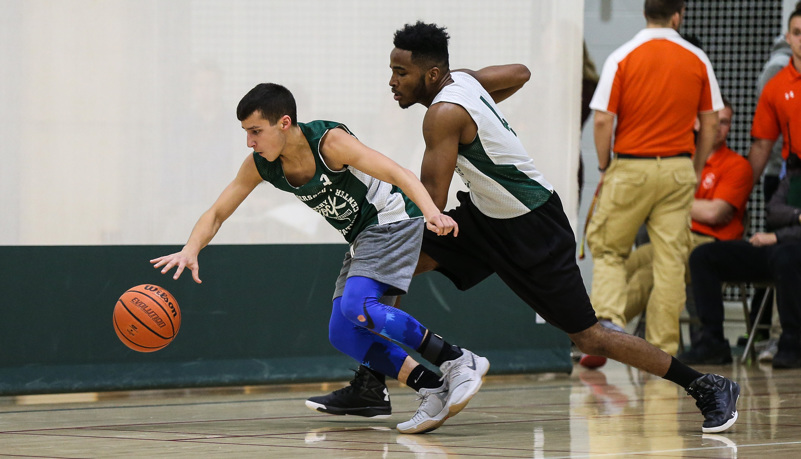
(433, 74)
(285, 122)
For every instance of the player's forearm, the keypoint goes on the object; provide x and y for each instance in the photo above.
(415, 190)
(204, 231)
(501, 81)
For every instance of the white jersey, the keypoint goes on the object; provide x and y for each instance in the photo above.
(495, 167)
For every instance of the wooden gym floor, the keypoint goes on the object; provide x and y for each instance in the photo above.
(613, 412)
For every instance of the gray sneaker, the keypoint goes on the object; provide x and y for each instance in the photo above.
(431, 414)
(769, 352)
(463, 376)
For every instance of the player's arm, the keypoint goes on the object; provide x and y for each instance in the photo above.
(210, 222)
(712, 212)
(339, 147)
(442, 130)
(707, 133)
(501, 81)
(758, 156)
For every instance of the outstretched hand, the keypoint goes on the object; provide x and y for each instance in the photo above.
(179, 261)
(442, 225)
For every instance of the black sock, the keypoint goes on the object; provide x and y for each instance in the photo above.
(379, 376)
(421, 377)
(681, 374)
(436, 350)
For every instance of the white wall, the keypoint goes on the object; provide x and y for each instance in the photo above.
(117, 121)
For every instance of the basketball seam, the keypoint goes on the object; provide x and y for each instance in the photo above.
(144, 324)
(121, 333)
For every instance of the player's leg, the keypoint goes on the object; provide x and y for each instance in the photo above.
(554, 288)
(462, 370)
(387, 257)
(367, 394)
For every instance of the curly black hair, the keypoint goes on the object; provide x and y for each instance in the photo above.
(427, 42)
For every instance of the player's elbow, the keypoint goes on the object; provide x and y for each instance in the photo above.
(524, 74)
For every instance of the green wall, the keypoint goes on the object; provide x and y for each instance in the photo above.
(260, 316)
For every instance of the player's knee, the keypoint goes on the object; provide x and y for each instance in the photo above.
(591, 341)
(359, 310)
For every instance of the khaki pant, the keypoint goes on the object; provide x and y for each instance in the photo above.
(640, 277)
(658, 192)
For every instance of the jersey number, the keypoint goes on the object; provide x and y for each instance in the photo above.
(324, 179)
(503, 121)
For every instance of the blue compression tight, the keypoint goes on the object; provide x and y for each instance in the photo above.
(357, 320)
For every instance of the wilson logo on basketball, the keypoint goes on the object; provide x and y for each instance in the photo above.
(163, 295)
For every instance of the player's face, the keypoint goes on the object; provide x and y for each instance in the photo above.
(408, 80)
(793, 37)
(265, 139)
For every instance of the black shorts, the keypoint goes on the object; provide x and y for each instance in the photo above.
(534, 254)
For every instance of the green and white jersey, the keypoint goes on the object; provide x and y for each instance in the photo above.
(349, 199)
(502, 179)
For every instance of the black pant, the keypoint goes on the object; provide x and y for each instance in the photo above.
(769, 185)
(739, 261)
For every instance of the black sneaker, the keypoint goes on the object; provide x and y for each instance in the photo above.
(716, 397)
(786, 359)
(365, 396)
(707, 353)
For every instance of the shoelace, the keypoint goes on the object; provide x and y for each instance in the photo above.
(452, 368)
(423, 398)
(706, 402)
(355, 383)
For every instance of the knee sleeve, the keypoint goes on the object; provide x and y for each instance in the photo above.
(361, 306)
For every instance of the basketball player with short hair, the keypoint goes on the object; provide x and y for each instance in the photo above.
(382, 210)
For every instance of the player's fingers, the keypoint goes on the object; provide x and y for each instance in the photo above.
(157, 262)
(196, 274)
(179, 270)
(167, 266)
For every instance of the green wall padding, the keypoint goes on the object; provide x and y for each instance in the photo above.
(260, 316)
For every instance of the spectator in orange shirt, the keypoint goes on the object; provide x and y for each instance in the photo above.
(779, 108)
(769, 256)
(717, 214)
(655, 86)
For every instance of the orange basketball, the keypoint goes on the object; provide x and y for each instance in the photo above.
(146, 318)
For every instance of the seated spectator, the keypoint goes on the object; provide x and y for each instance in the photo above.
(773, 257)
(717, 214)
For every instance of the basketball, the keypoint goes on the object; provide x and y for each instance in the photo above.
(146, 318)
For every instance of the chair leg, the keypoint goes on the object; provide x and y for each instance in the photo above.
(746, 307)
(749, 346)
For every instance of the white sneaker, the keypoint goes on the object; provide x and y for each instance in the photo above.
(463, 377)
(431, 414)
(769, 352)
